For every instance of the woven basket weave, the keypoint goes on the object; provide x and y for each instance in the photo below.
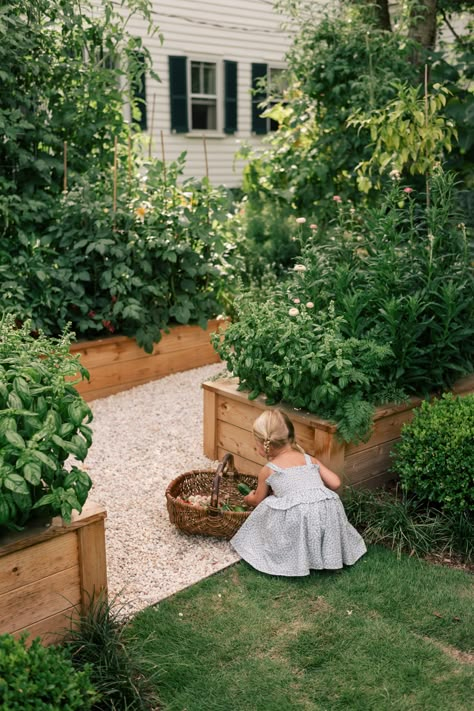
(222, 486)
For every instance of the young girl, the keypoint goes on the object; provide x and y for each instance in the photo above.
(299, 522)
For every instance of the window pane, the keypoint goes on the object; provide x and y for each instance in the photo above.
(209, 79)
(195, 76)
(204, 114)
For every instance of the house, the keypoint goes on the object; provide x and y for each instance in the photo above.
(212, 54)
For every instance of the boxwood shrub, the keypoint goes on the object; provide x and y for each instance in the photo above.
(38, 678)
(435, 455)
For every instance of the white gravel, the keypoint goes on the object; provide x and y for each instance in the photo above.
(143, 438)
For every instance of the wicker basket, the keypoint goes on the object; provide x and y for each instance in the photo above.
(222, 485)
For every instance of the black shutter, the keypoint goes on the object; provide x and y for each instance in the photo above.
(138, 85)
(178, 94)
(230, 101)
(259, 125)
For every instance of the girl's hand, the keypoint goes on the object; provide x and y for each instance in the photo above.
(249, 498)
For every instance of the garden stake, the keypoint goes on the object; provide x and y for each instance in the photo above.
(115, 179)
(163, 155)
(151, 125)
(129, 162)
(205, 157)
(426, 123)
(65, 168)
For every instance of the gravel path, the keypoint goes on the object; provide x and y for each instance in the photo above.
(143, 438)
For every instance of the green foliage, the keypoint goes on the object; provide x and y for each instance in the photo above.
(435, 455)
(38, 678)
(399, 522)
(130, 255)
(300, 356)
(408, 134)
(63, 66)
(381, 306)
(161, 256)
(43, 420)
(402, 273)
(336, 65)
(105, 644)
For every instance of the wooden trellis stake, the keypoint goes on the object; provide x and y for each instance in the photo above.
(205, 156)
(65, 167)
(115, 180)
(152, 122)
(163, 154)
(426, 124)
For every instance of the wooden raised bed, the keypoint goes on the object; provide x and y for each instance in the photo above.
(118, 363)
(49, 573)
(229, 415)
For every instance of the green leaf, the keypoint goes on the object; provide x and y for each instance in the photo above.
(15, 439)
(32, 473)
(47, 461)
(16, 483)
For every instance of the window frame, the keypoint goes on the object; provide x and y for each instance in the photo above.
(279, 67)
(218, 62)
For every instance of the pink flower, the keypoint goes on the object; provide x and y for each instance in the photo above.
(301, 220)
(337, 198)
(310, 305)
(313, 227)
(408, 190)
(296, 301)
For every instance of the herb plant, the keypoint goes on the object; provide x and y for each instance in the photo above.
(379, 307)
(43, 420)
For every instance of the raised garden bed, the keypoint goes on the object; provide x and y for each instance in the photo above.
(118, 363)
(48, 573)
(229, 415)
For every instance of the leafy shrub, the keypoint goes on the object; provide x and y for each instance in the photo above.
(41, 424)
(158, 255)
(38, 678)
(119, 672)
(435, 455)
(290, 353)
(402, 273)
(380, 306)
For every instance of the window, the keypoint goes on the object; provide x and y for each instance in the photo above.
(267, 83)
(277, 85)
(203, 95)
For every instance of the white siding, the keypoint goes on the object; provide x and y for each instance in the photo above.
(244, 31)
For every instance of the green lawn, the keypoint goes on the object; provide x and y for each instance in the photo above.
(387, 633)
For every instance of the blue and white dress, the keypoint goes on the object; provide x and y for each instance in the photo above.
(301, 526)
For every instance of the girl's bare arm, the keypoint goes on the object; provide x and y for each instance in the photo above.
(262, 490)
(330, 478)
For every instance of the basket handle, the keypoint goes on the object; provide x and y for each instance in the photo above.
(226, 465)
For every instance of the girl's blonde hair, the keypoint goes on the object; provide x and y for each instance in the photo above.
(273, 428)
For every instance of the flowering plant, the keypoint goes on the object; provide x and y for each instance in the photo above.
(377, 308)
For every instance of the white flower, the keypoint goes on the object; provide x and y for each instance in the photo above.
(299, 268)
(395, 174)
(301, 220)
(293, 312)
(310, 305)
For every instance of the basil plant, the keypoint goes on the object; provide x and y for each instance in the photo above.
(43, 420)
